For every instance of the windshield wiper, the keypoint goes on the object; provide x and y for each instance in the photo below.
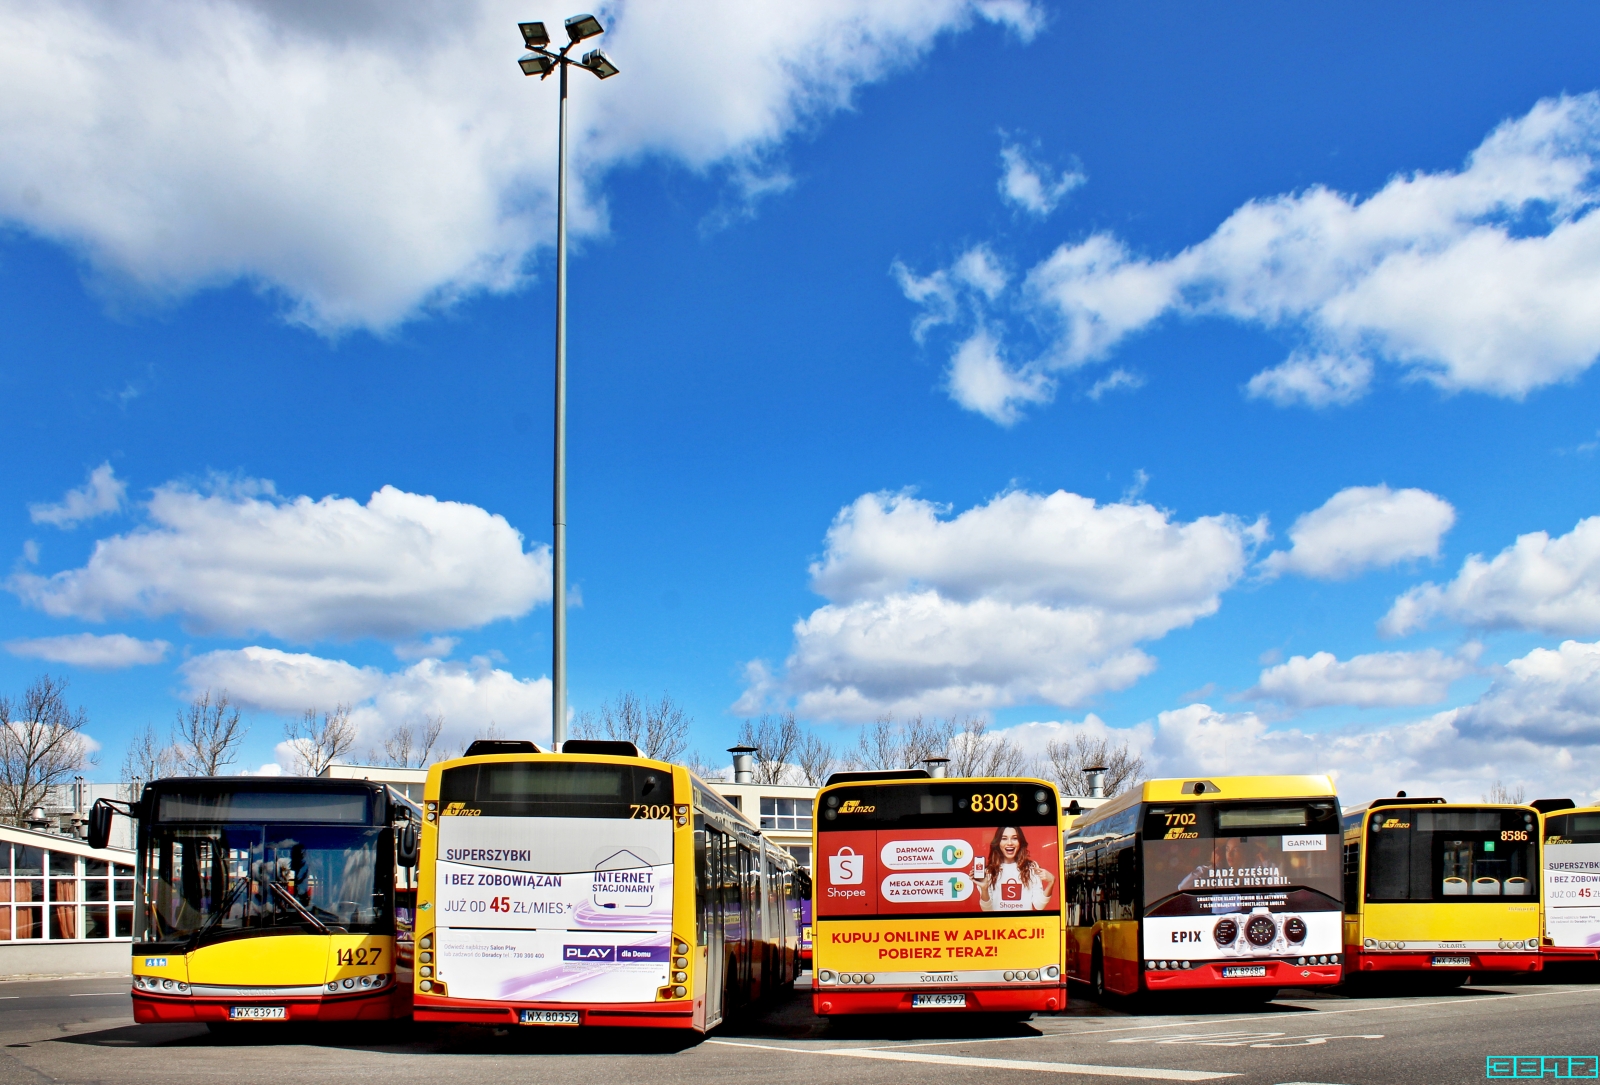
(290, 899)
(222, 910)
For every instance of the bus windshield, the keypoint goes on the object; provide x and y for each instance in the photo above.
(1204, 858)
(939, 848)
(1444, 854)
(219, 881)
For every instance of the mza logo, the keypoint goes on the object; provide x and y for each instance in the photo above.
(1180, 834)
(855, 806)
(1396, 823)
(1542, 1066)
(460, 810)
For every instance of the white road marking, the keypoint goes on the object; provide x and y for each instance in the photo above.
(97, 994)
(1142, 1073)
(1390, 1007)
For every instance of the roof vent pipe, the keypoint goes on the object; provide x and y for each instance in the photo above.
(744, 764)
(937, 766)
(1096, 776)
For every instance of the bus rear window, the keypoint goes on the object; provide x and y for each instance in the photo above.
(1456, 856)
(556, 789)
(1263, 817)
(1573, 829)
(263, 806)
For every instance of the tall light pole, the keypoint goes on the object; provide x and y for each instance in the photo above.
(542, 61)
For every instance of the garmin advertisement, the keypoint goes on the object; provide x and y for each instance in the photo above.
(1231, 897)
(554, 909)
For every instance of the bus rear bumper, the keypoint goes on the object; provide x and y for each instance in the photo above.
(1424, 962)
(1569, 955)
(1009, 999)
(467, 1011)
(372, 1006)
(1214, 976)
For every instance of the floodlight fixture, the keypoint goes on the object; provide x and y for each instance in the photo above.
(583, 26)
(534, 64)
(600, 64)
(534, 35)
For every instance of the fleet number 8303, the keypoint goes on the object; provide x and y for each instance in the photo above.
(984, 803)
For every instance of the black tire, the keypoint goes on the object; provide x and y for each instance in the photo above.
(1097, 975)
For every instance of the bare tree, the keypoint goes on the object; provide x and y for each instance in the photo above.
(148, 758)
(319, 743)
(207, 735)
(1068, 758)
(697, 763)
(41, 745)
(886, 744)
(1499, 792)
(816, 759)
(975, 751)
(409, 746)
(660, 729)
(776, 740)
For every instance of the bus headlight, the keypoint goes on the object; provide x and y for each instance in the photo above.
(426, 970)
(426, 985)
(680, 977)
(679, 992)
(425, 958)
(333, 985)
(1052, 972)
(427, 941)
(825, 976)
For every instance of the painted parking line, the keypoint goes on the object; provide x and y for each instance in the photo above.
(1249, 1039)
(1141, 1073)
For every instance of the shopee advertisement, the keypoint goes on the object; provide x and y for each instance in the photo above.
(938, 947)
(1001, 869)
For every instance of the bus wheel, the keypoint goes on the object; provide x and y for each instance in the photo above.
(1097, 975)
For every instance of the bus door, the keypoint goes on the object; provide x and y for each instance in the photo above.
(713, 851)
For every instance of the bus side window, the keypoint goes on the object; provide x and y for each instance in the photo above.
(1352, 877)
(702, 896)
(1127, 879)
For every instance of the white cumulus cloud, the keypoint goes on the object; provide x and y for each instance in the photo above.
(362, 160)
(1363, 527)
(109, 652)
(1478, 279)
(1033, 186)
(241, 560)
(470, 696)
(100, 495)
(1537, 583)
(1027, 598)
(1365, 681)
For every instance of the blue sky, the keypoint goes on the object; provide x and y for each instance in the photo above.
(998, 345)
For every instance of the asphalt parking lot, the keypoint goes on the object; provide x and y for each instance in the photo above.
(81, 1030)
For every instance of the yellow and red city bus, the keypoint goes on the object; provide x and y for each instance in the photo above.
(1226, 884)
(936, 895)
(595, 887)
(269, 899)
(1571, 876)
(1439, 891)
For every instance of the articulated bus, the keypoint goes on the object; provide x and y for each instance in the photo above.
(936, 894)
(270, 899)
(1227, 884)
(595, 887)
(1571, 880)
(1440, 890)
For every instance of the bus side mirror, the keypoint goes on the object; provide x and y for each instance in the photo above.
(100, 824)
(405, 844)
